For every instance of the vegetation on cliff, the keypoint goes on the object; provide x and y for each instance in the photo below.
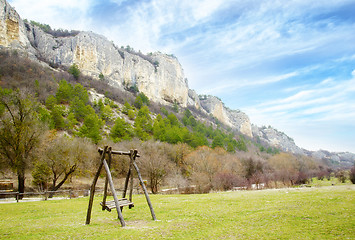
(178, 149)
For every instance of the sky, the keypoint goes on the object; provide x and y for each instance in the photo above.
(289, 64)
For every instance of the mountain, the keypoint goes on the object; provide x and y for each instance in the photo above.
(273, 137)
(159, 76)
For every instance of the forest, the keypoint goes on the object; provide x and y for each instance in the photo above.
(53, 121)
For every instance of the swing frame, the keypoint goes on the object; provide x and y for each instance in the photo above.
(117, 203)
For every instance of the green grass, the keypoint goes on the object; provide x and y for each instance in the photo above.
(331, 182)
(298, 213)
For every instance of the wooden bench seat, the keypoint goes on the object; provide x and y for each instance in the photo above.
(109, 205)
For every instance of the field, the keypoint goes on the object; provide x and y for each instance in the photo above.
(294, 213)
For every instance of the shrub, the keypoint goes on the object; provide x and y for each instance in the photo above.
(74, 70)
(226, 180)
(121, 130)
(352, 175)
(41, 175)
(341, 175)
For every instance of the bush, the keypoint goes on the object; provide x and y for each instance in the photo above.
(226, 180)
(41, 175)
(121, 130)
(352, 175)
(341, 175)
(74, 70)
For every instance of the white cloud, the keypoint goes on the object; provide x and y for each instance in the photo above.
(316, 117)
(65, 14)
(232, 85)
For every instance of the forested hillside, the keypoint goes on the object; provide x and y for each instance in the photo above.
(53, 120)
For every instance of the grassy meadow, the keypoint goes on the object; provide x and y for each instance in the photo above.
(293, 213)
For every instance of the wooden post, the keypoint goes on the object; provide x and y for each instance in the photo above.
(106, 180)
(126, 183)
(132, 157)
(123, 224)
(145, 191)
(92, 189)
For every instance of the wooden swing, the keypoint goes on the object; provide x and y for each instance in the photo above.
(117, 203)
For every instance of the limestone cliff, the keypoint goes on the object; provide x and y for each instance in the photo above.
(12, 29)
(339, 159)
(231, 118)
(275, 138)
(157, 75)
(161, 77)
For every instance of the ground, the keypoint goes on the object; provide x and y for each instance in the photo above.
(293, 213)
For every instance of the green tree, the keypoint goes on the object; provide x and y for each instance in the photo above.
(241, 145)
(126, 107)
(121, 130)
(159, 128)
(164, 111)
(131, 114)
(44, 115)
(80, 109)
(176, 106)
(81, 93)
(20, 132)
(143, 123)
(231, 147)
(101, 77)
(174, 121)
(64, 92)
(91, 127)
(70, 121)
(141, 100)
(198, 139)
(173, 135)
(218, 141)
(57, 113)
(74, 70)
(106, 113)
(51, 101)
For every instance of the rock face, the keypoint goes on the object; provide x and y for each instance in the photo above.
(232, 118)
(340, 159)
(277, 139)
(12, 29)
(158, 76)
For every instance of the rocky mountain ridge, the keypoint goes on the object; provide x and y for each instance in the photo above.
(159, 76)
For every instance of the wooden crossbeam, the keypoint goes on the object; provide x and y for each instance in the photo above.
(118, 152)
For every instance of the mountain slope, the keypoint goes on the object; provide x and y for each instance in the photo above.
(158, 76)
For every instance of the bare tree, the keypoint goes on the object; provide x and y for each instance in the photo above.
(204, 163)
(65, 155)
(285, 166)
(154, 163)
(20, 132)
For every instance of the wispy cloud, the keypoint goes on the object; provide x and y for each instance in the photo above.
(329, 104)
(232, 85)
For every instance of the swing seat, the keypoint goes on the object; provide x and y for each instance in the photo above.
(121, 203)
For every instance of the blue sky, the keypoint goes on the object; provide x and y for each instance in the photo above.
(288, 64)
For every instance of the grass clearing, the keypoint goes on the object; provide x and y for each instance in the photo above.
(297, 213)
